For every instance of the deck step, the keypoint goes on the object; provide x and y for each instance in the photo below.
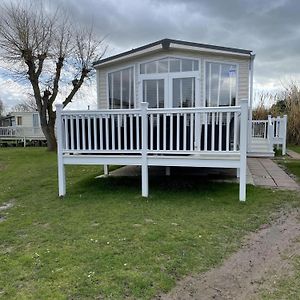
(260, 148)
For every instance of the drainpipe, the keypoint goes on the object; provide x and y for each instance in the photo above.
(251, 71)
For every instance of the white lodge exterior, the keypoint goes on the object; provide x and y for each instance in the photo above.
(169, 103)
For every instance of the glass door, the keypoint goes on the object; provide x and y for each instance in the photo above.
(183, 92)
(154, 91)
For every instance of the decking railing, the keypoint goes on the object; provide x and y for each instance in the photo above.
(166, 131)
(21, 133)
(203, 137)
(274, 130)
(259, 129)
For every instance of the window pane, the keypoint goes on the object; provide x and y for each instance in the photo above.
(120, 91)
(153, 93)
(143, 67)
(125, 89)
(213, 88)
(187, 65)
(220, 84)
(163, 66)
(35, 120)
(174, 65)
(196, 65)
(151, 67)
(184, 92)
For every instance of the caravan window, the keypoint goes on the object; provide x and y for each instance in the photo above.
(120, 89)
(19, 121)
(169, 64)
(221, 84)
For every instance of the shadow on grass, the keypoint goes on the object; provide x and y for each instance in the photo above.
(160, 187)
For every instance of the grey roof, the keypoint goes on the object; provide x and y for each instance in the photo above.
(165, 43)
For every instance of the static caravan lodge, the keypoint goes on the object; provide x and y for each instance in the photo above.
(168, 103)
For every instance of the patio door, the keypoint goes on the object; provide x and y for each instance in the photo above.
(155, 91)
(184, 91)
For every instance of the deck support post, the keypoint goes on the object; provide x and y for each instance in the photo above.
(145, 180)
(106, 170)
(168, 171)
(237, 172)
(60, 162)
(243, 148)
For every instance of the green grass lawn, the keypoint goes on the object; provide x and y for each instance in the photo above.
(295, 148)
(103, 240)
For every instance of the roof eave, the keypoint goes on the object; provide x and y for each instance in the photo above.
(173, 44)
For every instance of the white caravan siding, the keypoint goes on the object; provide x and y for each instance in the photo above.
(242, 62)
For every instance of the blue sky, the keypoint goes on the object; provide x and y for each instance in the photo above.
(271, 28)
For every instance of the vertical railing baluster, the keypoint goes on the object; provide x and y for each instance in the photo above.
(191, 131)
(177, 132)
(235, 131)
(95, 133)
(131, 131)
(171, 131)
(101, 133)
(83, 132)
(65, 118)
(227, 130)
(205, 131)
(119, 131)
(89, 132)
(220, 130)
(184, 131)
(164, 132)
(213, 124)
(77, 133)
(158, 132)
(151, 131)
(106, 133)
(113, 136)
(72, 132)
(125, 132)
(137, 132)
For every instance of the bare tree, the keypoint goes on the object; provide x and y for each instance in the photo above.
(26, 105)
(49, 50)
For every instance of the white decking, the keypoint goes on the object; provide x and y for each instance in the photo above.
(23, 134)
(213, 137)
(265, 134)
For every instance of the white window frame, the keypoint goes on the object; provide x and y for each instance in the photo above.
(236, 64)
(134, 84)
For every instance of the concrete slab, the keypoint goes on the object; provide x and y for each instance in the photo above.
(267, 173)
(260, 171)
(293, 154)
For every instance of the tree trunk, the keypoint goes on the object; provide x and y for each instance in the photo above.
(49, 133)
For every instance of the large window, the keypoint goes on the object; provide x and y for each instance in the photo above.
(121, 89)
(170, 64)
(221, 84)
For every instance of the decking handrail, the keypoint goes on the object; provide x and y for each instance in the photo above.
(21, 132)
(167, 135)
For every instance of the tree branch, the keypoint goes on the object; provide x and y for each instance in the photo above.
(76, 86)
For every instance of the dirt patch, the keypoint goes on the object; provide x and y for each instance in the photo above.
(7, 205)
(2, 166)
(264, 256)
